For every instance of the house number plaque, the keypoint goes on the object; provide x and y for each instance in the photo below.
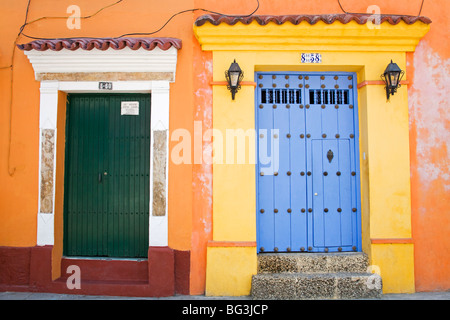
(105, 85)
(311, 58)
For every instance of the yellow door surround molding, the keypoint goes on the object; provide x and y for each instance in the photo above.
(346, 43)
(282, 34)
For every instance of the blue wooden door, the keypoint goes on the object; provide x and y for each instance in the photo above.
(308, 169)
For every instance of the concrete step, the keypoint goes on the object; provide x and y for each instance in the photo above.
(342, 275)
(299, 286)
(312, 262)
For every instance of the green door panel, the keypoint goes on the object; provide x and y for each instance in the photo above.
(107, 164)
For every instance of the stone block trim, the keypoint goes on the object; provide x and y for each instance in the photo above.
(47, 170)
(159, 172)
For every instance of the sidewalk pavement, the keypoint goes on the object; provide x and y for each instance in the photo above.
(53, 296)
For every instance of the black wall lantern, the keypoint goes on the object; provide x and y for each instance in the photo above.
(392, 77)
(234, 76)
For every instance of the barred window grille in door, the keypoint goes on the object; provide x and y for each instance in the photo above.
(329, 96)
(284, 96)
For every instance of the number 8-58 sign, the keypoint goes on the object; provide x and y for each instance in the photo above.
(311, 58)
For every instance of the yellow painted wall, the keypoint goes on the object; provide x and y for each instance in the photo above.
(229, 270)
(388, 154)
(384, 140)
(233, 220)
(396, 263)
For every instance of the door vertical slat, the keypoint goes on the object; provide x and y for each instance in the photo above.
(345, 189)
(101, 208)
(317, 205)
(265, 169)
(90, 173)
(132, 192)
(141, 180)
(298, 166)
(84, 160)
(114, 175)
(281, 179)
(121, 194)
(331, 192)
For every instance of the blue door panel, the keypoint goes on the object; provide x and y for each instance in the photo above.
(308, 166)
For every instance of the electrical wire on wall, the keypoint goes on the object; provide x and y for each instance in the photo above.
(11, 67)
(387, 14)
(136, 33)
(11, 171)
(26, 23)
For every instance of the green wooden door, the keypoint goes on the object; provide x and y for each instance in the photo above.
(107, 164)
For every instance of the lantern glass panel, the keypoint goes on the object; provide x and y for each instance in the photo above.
(234, 77)
(394, 78)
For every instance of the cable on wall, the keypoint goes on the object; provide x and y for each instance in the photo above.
(11, 171)
(141, 33)
(388, 14)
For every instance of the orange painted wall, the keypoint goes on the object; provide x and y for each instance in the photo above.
(190, 185)
(19, 191)
(429, 69)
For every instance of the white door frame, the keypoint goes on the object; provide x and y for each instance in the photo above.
(159, 90)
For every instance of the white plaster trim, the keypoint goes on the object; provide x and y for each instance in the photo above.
(158, 231)
(48, 105)
(47, 120)
(46, 229)
(158, 225)
(110, 60)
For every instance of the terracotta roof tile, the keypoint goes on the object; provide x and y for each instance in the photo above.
(311, 19)
(101, 44)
